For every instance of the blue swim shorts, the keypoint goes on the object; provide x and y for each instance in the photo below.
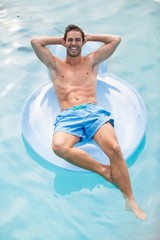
(83, 120)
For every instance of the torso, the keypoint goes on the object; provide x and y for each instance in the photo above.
(74, 84)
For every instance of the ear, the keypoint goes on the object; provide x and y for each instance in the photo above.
(64, 43)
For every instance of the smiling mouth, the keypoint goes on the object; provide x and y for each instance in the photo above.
(73, 51)
(74, 48)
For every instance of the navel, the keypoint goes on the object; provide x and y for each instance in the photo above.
(76, 97)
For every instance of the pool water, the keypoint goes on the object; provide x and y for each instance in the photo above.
(39, 201)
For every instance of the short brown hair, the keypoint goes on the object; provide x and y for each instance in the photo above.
(73, 27)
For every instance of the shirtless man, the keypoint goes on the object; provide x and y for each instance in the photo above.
(74, 80)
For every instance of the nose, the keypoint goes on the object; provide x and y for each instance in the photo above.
(74, 42)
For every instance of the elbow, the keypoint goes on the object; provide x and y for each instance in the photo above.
(37, 42)
(118, 39)
(33, 41)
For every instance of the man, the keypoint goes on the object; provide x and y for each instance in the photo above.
(74, 80)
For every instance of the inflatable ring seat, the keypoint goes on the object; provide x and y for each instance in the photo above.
(114, 94)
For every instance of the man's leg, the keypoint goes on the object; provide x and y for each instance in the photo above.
(107, 140)
(63, 146)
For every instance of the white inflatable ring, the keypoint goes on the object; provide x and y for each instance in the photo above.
(114, 94)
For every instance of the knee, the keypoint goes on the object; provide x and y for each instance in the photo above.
(115, 150)
(59, 148)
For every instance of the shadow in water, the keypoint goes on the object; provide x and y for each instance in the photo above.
(131, 160)
(67, 181)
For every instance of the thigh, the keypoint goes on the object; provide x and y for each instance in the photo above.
(64, 139)
(106, 137)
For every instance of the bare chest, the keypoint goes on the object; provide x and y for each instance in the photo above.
(80, 75)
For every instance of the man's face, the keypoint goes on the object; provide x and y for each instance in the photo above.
(74, 43)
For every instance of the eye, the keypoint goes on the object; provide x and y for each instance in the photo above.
(78, 39)
(70, 39)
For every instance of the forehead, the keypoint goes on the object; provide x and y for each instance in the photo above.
(74, 34)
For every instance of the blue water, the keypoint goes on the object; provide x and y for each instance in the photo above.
(39, 201)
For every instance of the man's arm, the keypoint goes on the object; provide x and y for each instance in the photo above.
(105, 51)
(39, 45)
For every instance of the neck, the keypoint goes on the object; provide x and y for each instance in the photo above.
(73, 60)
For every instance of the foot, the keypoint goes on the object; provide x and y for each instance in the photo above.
(131, 205)
(107, 173)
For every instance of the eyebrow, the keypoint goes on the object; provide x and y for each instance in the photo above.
(75, 38)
